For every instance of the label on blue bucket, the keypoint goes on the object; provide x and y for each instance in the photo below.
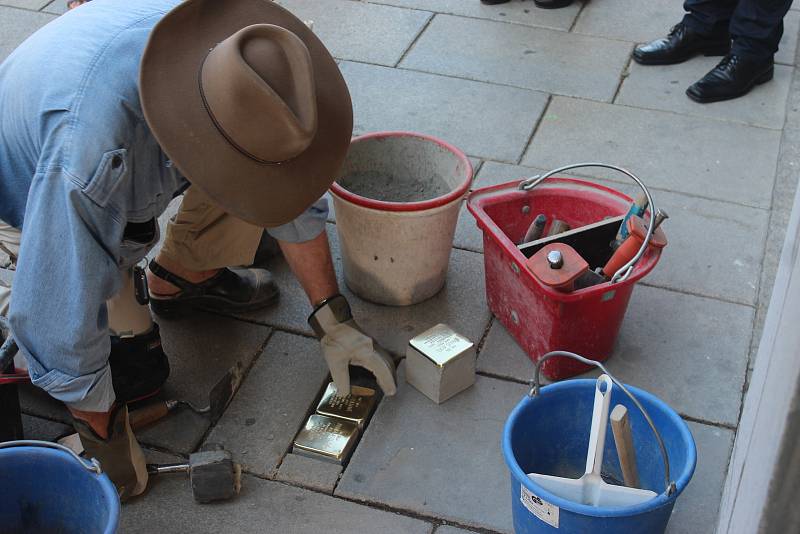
(539, 507)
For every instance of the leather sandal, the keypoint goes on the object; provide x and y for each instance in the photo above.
(230, 290)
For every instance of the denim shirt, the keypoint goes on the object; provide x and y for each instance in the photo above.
(78, 163)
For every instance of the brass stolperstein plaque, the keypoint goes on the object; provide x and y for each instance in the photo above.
(355, 407)
(327, 438)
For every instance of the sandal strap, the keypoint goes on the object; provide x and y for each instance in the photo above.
(186, 287)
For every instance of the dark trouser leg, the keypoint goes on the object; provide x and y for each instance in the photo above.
(757, 27)
(709, 16)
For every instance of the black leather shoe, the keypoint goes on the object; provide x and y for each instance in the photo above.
(552, 4)
(494, 2)
(139, 366)
(680, 44)
(733, 77)
(230, 290)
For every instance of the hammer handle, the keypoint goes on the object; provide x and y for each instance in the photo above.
(621, 426)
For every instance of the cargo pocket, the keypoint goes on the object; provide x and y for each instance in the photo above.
(109, 176)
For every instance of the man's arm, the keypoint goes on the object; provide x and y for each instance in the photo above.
(66, 271)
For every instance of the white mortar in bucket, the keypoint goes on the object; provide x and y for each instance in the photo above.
(397, 200)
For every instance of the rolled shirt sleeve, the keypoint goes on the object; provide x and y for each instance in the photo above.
(66, 271)
(306, 227)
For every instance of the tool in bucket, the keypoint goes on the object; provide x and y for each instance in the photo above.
(621, 274)
(591, 489)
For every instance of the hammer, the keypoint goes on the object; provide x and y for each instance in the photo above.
(213, 474)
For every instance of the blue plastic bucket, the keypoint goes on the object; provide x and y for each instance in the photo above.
(46, 490)
(549, 433)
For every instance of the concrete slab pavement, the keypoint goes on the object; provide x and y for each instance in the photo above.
(664, 88)
(460, 111)
(361, 31)
(517, 11)
(674, 152)
(262, 506)
(431, 459)
(16, 25)
(517, 56)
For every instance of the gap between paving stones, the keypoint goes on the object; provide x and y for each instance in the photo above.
(617, 180)
(535, 129)
(435, 522)
(416, 37)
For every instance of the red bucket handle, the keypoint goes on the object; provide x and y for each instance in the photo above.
(625, 271)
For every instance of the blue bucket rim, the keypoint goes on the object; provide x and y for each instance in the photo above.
(595, 511)
(108, 489)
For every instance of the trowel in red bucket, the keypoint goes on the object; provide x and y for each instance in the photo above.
(591, 489)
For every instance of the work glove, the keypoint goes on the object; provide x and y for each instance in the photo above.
(344, 344)
(120, 456)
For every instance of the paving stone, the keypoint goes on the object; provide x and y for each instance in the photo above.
(517, 11)
(675, 152)
(787, 48)
(452, 530)
(315, 474)
(520, 56)
(16, 25)
(723, 260)
(262, 421)
(34, 5)
(42, 429)
(697, 507)
(262, 506)
(442, 460)
(57, 7)
(501, 356)
(458, 111)
(644, 21)
(35, 401)
(202, 348)
(461, 304)
(361, 31)
(664, 88)
(689, 351)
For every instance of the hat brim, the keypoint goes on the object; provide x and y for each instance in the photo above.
(260, 193)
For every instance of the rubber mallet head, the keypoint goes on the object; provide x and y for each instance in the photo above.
(214, 476)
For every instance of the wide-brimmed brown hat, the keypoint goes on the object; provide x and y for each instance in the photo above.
(248, 104)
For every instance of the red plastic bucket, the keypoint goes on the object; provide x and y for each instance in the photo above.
(539, 318)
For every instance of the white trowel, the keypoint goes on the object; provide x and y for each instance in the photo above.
(591, 489)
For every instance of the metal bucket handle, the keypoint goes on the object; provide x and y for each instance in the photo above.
(625, 271)
(536, 387)
(92, 465)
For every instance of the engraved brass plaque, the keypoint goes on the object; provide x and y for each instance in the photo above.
(441, 344)
(355, 407)
(326, 438)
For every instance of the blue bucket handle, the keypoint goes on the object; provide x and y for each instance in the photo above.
(92, 465)
(625, 271)
(536, 387)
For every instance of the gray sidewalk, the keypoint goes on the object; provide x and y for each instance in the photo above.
(519, 89)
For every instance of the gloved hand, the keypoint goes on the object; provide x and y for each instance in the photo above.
(119, 455)
(344, 343)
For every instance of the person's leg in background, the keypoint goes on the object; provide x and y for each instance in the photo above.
(756, 27)
(703, 30)
(9, 250)
(192, 268)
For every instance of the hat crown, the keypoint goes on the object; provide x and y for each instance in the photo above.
(258, 88)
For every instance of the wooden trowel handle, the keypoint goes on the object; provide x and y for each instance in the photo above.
(148, 415)
(621, 426)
